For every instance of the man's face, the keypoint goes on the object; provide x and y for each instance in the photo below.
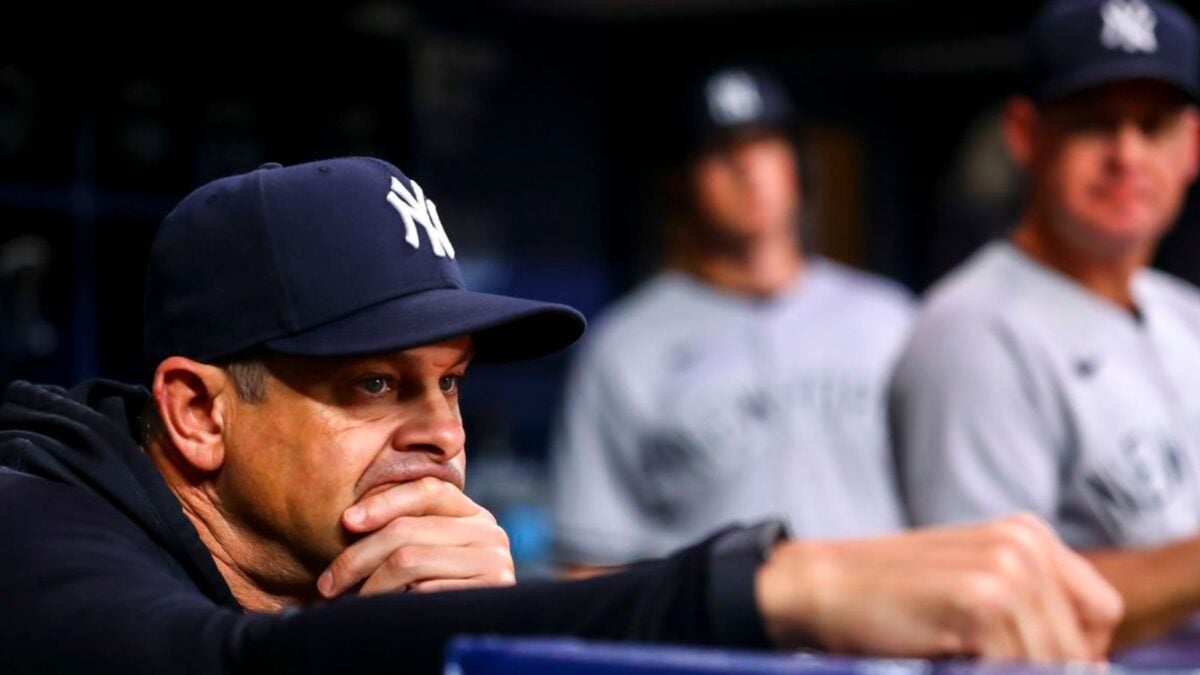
(747, 187)
(1114, 164)
(330, 431)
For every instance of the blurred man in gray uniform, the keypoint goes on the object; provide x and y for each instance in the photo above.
(1054, 373)
(744, 381)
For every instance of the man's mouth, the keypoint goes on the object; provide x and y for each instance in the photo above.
(406, 469)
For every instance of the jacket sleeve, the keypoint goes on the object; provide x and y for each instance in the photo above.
(84, 590)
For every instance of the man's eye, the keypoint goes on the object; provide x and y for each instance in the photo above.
(449, 384)
(1155, 125)
(1094, 125)
(375, 386)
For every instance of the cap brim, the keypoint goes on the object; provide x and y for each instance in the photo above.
(504, 329)
(1121, 70)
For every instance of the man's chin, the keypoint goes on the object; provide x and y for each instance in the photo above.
(1112, 235)
(1118, 246)
(1133, 233)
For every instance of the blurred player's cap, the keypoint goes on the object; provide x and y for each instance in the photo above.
(1081, 44)
(334, 258)
(726, 103)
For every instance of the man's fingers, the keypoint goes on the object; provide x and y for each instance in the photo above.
(368, 554)
(1001, 624)
(1031, 636)
(427, 496)
(1041, 640)
(413, 564)
(1082, 593)
(418, 531)
(1069, 643)
(1003, 642)
(1048, 625)
(1058, 608)
(1097, 604)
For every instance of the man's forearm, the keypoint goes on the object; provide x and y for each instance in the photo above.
(1161, 586)
(663, 601)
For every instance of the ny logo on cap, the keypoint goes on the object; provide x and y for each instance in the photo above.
(412, 206)
(1129, 26)
(733, 97)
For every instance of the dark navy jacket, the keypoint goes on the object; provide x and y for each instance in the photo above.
(100, 571)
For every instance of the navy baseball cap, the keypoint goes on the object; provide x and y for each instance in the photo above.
(335, 258)
(724, 103)
(1080, 44)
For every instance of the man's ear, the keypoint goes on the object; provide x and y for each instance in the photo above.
(190, 399)
(1020, 127)
(1192, 120)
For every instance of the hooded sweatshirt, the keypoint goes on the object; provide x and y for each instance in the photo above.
(101, 571)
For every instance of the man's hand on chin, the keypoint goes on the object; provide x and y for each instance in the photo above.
(424, 535)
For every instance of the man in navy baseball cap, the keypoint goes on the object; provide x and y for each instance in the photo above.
(738, 281)
(315, 316)
(1054, 372)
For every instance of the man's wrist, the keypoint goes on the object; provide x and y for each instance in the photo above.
(735, 561)
(789, 588)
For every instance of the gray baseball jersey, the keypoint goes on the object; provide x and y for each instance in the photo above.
(1022, 391)
(690, 408)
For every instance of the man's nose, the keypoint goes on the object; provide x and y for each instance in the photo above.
(435, 427)
(1128, 143)
(752, 169)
